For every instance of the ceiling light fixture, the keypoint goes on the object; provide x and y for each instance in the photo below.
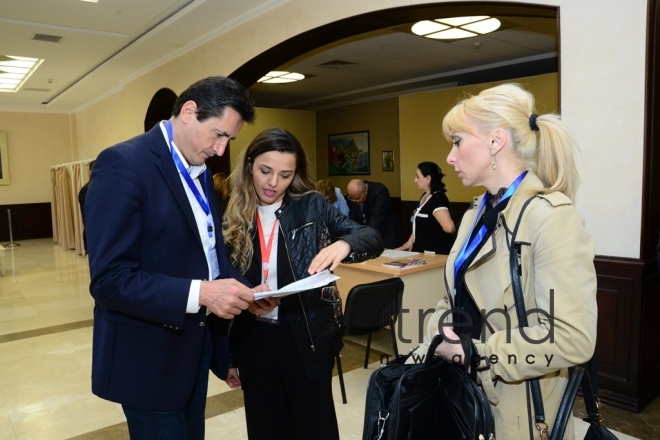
(456, 27)
(14, 71)
(280, 77)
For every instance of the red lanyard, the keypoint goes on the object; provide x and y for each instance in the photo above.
(265, 248)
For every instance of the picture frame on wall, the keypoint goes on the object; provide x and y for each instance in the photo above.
(348, 153)
(4, 159)
(388, 160)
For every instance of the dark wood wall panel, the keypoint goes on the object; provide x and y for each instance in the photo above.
(615, 303)
(29, 220)
(628, 332)
(650, 338)
(611, 300)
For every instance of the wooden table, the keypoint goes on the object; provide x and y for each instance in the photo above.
(423, 287)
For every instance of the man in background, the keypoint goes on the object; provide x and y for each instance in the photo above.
(369, 204)
(159, 266)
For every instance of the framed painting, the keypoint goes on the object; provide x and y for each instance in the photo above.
(348, 153)
(388, 160)
(4, 159)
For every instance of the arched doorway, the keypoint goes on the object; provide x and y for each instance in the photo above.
(159, 108)
(298, 46)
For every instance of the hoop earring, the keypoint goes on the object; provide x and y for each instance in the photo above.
(493, 164)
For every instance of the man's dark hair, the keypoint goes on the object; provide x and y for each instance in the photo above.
(213, 95)
(91, 165)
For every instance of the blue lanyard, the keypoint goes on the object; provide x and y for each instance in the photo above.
(188, 179)
(471, 245)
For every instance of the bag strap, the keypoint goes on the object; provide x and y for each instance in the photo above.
(519, 301)
(566, 404)
(587, 379)
(579, 377)
(590, 392)
(437, 339)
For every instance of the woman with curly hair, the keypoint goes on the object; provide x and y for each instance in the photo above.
(279, 230)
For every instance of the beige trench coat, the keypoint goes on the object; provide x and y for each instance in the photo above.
(556, 256)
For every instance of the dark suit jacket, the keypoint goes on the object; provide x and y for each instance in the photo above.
(145, 249)
(378, 214)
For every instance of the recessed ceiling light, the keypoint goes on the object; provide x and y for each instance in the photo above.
(456, 27)
(14, 71)
(90, 1)
(280, 77)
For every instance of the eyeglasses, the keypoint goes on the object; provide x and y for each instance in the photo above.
(362, 196)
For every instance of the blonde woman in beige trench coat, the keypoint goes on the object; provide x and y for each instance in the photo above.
(500, 143)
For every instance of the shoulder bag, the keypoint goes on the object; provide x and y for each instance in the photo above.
(587, 378)
(429, 400)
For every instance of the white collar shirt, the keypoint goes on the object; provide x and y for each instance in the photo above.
(201, 219)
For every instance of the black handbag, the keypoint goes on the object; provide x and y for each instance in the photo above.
(464, 412)
(429, 400)
(587, 378)
(401, 395)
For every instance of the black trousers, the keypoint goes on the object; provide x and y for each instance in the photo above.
(280, 401)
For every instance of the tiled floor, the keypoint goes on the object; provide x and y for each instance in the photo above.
(45, 360)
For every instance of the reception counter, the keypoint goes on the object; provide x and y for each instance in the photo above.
(423, 287)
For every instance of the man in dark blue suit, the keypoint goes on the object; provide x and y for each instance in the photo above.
(160, 276)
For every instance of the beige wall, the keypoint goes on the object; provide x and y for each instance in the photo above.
(421, 131)
(35, 142)
(381, 118)
(300, 123)
(602, 94)
(602, 99)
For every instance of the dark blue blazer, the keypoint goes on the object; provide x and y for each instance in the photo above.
(144, 250)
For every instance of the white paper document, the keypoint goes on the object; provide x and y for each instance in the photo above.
(391, 253)
(317, 280)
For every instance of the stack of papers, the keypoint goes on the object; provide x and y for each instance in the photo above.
(317, 280)
(391, 253)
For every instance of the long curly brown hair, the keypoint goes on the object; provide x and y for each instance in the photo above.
(239, 216)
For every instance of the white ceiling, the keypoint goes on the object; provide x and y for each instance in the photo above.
(109, 43)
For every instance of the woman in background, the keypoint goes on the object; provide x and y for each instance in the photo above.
(433, 228)
(280, 230)
(333, 195)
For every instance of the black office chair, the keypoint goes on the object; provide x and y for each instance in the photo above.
(370, 308)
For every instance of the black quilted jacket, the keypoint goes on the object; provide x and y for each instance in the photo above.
(307, 225)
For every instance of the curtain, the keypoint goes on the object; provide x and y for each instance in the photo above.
(77, 170)
(54, 205)
(67, 180)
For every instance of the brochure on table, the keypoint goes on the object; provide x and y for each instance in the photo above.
(405, 263)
